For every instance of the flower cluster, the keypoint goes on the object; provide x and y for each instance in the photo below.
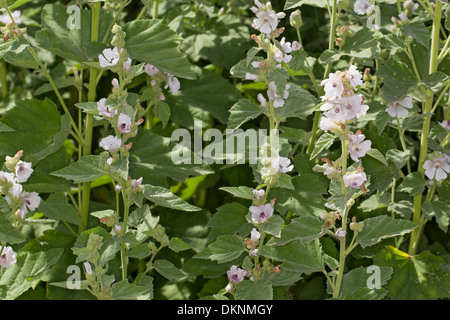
(11, 187)
(409, 7)
(342, 105)
(158, 77)
(267, 19)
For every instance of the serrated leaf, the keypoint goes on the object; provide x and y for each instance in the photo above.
(244, 110)
(382, 227)
(86, 169)
(417, 31)
(440, 210)
(165, 198)
(305, 229)
(152, 42)
(8, 233)
(178, 245)
(324, 142)
(297, 257)
(168, 270)
(123, 290)
(254, 290)
(413, 184)
(224, 249)
(240, 192)
(57, 207)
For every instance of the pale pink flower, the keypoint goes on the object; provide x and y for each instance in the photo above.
(334, 88)
(172, 83)
(354, 179)
(262, 213)
(7, 257)
(272, 93)
(399, 109)
(236, 274)
(358, 147)
(124, 123)
(282, 164)
(266, 21)
(109, 58)
(5, 18)
(151, 70)
(255, 235)
(111, 143)
(104, 110)
(437, 168)
(363, 7)
(355, 76)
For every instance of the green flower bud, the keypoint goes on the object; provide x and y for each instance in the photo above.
(295, 19)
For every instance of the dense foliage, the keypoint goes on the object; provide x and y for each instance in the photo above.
(225, 149)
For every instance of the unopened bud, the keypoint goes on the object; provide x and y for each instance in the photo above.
(295, 19)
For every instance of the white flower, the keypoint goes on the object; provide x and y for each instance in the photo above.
(250, 76)
(136, 183)
(355, 179)
(7, 257)
(437, 168)
(124, 123)
(261, 213)
(261, 99)
(255, 236)
(282, 164)
(151, 70)
(109, 58)
(7, 177)
(15, 191)
(104, 110)
(259, 194)
(111, 143)
(127, 65)
(31, 200)
(334, 88)
(88, 268)
(363, 7)
(172, 83)
(355, 76)
(340, 233)
(403, 16)
(236, 274)
(358, 147)
(353, 107)
(296, 46)
(5, 18)
(23, 171)
(287, 48)
(445, 124)
(327, 124)
(278, 100)
(399, 109)
(266, 21)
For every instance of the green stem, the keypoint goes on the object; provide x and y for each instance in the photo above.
(3, 79)
(416, 234)
(155, 9)
(86, 196)
(402, 140)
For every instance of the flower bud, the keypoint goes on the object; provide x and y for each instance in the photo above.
(295, 19)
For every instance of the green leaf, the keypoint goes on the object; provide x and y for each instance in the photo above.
(162, 111)
(86, 169)
(72, 44)
(440, 210)
(123, 290)
(16, 52)
(8, 233)
(142, 219)
(38, 129)
(291, 4)
(305, 229)
(165, 198)
(324, 142)
(25, 273)
(57, 207)
(273, 226)
(168, 270)
(178, 245)
(413, 184)
(140, 251)
(240, 192)
(382, 227)
(254, 290)
(241, 112)
(398, 78)
(229, 218)
(224, 249)
(152, 42)
(420, 277)
(376, 154)
(355, 282)
(417, 31)
(152, 159)
(399, 158)
(300, 104)
(297, 256)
